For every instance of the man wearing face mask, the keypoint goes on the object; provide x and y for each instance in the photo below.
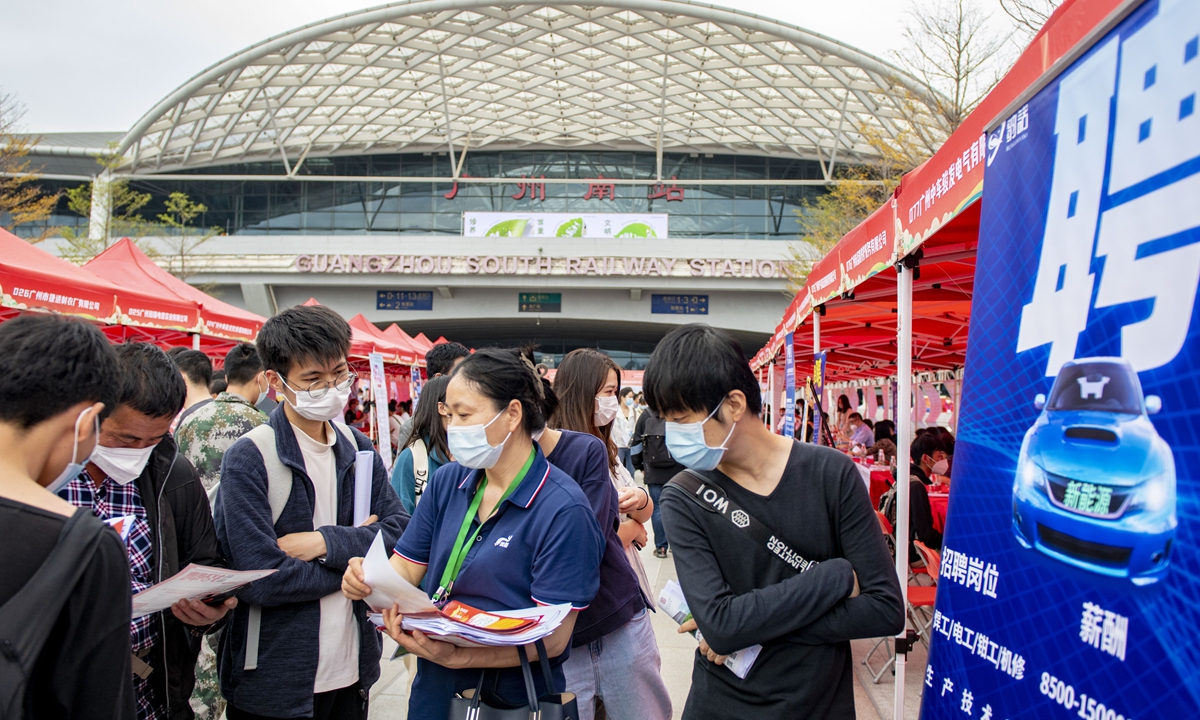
(208, 432)
(775, 542)
(297, 647)
(70, 634)
(136, 473)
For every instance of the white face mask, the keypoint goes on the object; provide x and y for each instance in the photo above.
(322, 409)
(606, 410)
(73, 468)
(123, 465)
(470, 447)
(940, 467)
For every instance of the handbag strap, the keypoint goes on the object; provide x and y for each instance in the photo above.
(530, 688)
(544, 661)
(708, 495)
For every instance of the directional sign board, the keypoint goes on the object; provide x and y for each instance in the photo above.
(403, 300)
(540, 302)
(679, 304)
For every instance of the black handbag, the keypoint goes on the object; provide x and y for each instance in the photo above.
(478, 704)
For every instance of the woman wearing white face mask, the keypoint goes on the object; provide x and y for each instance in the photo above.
(623, 425)
(615, 657)
(775, 542)
(499, 528)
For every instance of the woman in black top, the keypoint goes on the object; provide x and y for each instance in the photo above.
(743, 592)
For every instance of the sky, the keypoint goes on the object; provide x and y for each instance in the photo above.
(83, 66)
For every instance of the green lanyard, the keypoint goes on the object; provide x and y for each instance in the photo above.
(466, 538)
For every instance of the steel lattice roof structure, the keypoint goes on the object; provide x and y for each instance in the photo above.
(431, 75)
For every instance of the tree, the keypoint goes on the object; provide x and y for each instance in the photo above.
(1029, 15)
(951, 51)
(21, 200)
(122, 220)
(182, 237)
(958, 60)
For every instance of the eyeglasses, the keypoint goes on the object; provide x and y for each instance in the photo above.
(319, 388)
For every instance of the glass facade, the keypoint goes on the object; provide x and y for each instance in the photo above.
(759, 211)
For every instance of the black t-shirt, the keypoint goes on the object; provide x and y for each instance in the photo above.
(742, 595)
(84, 668)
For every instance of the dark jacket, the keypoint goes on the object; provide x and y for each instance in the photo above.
(642, 434)
(177, 512)
(282, 685)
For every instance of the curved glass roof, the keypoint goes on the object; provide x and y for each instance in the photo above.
(434, 75)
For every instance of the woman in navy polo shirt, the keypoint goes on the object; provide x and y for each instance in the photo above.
(522, 530)
(615, 657)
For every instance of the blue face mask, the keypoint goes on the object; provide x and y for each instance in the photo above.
(73, 468)
(470, 447)
(688, 446)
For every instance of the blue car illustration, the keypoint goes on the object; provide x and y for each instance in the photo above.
(1095, 484)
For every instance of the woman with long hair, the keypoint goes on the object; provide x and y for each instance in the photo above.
(615, 658)
(497, 529)
(427, 449)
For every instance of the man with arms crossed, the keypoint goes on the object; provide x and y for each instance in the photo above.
(743, 589)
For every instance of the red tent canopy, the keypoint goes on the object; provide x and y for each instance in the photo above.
(383, 344)
(31, 278)
(422, 342)
(397, 335)
(933, 218)
(125, 264)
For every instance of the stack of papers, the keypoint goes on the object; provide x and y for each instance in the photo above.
(457, 623)
(194, 582)
(673, 603)
(543, 620)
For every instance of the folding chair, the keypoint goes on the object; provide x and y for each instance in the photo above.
(922, 597)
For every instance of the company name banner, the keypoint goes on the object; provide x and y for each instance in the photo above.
(539, 265)
(565, 225)
(1071, 560)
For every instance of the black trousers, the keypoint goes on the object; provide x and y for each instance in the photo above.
(348, 703)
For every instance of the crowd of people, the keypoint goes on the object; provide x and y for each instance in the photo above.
(507, 491)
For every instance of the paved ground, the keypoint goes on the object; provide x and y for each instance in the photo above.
(389, 697)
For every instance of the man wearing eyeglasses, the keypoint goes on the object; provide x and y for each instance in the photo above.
(296, 647)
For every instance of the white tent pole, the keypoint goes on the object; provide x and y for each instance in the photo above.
(195, 341)
(771, 395)
(904, 284)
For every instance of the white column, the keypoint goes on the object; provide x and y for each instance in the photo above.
(101, 207)
(904, 283)
(195, 341)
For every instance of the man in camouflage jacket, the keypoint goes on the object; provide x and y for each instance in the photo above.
(203, 437)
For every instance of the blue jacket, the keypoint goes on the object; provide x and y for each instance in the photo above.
(282, 686)
(404, 479)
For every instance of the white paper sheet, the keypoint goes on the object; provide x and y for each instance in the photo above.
(194, 582)
(387, 585)
(364, 473)
(672, 602)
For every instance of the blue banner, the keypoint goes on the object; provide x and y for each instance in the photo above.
(789, 374)
(818, 384)
(1070, 570)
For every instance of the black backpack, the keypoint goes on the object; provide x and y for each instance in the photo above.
(28, 617)
(654, 443)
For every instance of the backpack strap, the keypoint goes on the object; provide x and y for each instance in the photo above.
(706, 493)
(27, 618)
(279, 489)
(420, 456)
